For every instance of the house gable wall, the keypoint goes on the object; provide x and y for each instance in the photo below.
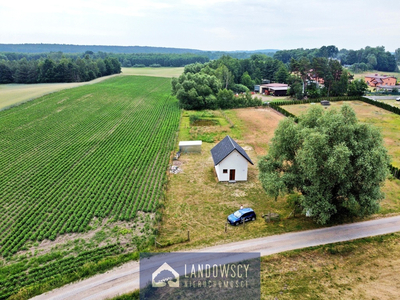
(233, 161)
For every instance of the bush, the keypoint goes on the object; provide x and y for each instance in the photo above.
(193, 119)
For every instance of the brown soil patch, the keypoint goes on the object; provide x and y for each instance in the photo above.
(262, 124)
(123, 233)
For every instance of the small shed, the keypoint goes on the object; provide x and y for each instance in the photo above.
(230, 161)
(190, 146)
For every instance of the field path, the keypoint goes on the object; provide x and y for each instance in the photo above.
(125, 278)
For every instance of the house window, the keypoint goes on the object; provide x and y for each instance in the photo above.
(225, 171)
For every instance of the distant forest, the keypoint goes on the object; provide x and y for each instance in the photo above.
(79, 49)
(126, 60)
(369, 58)
(17, 68)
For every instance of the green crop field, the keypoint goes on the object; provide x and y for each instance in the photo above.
(15, 93)
(95, 151)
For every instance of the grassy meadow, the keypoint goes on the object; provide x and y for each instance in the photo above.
(156, 72)
(196, 202)
(363, 74)
(387, 122)
(362, 269)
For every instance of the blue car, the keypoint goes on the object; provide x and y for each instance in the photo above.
(242, 215)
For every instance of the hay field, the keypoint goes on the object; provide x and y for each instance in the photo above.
(157, 72)
(363, 74)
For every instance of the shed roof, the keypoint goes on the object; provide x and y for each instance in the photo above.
(224, 148)
(190, 143)
(279, 88)
(274, 85)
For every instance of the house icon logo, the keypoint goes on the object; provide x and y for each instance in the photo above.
(163, 275)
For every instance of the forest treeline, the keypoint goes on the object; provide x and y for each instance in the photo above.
(368, 58)
(79, 49)
(17, 68)
(226, 82)
(126, 60)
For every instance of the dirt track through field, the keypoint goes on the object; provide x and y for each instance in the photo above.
(125, 279)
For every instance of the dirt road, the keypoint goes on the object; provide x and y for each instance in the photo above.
(126, 278)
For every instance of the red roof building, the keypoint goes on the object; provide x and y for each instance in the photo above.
(382, 80)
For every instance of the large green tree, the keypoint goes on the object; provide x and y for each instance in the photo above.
(196, 91)
(337, 164)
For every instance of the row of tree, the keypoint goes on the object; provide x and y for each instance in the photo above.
(322, 77)
(197, 91)
(242, 74)
(368, 58)
(48, 70)
(162, 60)
(215, 83)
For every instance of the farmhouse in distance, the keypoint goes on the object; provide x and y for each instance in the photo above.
(230, 161)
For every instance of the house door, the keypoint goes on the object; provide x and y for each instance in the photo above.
(232, 175)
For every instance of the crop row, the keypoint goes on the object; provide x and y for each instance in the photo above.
(15, 282)
(101, 156)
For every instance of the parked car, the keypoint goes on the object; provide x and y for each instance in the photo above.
(398, 99)
(242, 215)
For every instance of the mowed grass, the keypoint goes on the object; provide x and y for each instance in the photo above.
(157, 72)
(361, 269)
(197, 203)
(387, 122)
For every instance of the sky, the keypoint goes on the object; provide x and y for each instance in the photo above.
(223, 25)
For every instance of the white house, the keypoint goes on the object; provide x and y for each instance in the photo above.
(230, 160)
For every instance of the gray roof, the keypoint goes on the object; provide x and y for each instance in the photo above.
(279, 88)
(224, 148)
